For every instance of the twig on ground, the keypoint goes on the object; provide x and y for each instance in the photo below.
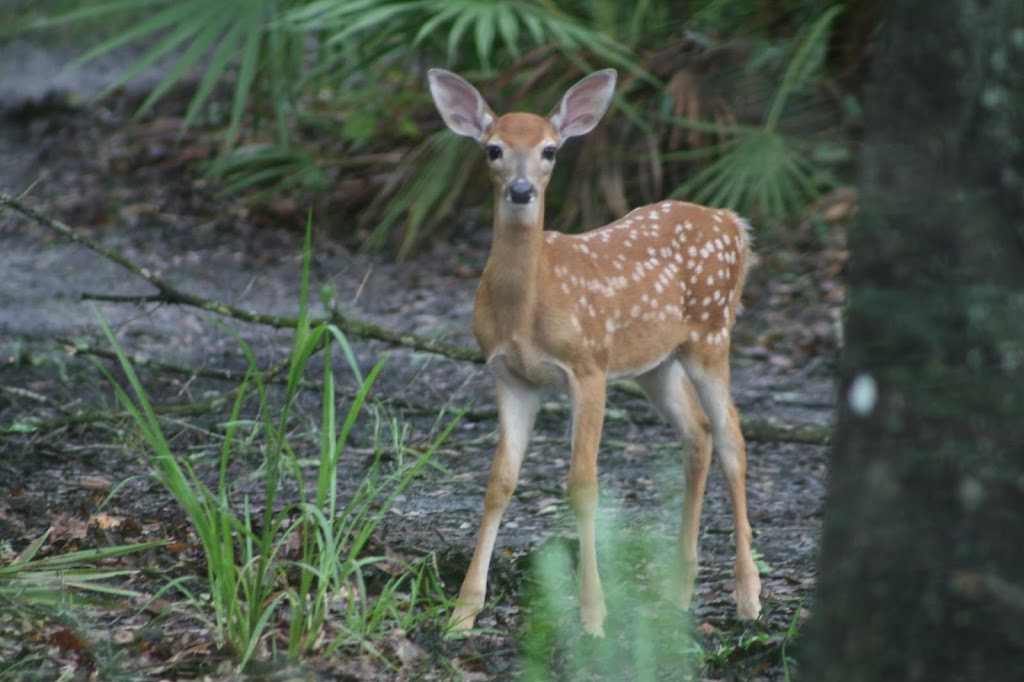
(168, 293)
(754, 428)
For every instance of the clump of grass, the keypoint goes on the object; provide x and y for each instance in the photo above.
(647, 637)
(57, 588)
(30, 580)
(253, 587)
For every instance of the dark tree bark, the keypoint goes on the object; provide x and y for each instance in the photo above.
(921, 575)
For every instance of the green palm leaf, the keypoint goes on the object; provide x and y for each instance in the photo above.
(758, 170)
(212, 36)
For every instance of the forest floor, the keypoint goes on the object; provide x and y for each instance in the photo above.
(132, 186)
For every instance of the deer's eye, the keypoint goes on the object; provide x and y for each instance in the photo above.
(548, 152)
(493, 152)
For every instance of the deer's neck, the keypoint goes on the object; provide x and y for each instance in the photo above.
(513, 268)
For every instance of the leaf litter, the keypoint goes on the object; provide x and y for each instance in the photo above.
(98, 493)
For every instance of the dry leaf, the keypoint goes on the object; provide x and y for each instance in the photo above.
(94, 482)
(707, 629)
(66, 640)
(66, 527)
(106, 521)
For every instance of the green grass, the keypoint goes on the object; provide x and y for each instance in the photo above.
(300, 563)
(60, 588)
(647, 637)
(30, 580)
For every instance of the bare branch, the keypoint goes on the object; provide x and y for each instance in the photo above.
(168, 293)
(758, 429)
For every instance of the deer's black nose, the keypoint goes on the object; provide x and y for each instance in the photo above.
(520, 191)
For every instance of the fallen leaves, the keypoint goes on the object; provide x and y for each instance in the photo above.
(67, 527)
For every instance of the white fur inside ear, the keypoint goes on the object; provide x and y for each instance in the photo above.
(584, 104)
(461, 106)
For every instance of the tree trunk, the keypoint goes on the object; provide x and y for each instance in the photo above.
(921, 575)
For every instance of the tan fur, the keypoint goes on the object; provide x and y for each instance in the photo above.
(652, 296)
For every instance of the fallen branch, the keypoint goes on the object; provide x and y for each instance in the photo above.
(758, 429)
(169, 294)
(754, 428)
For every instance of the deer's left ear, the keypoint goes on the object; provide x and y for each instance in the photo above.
(584, 104)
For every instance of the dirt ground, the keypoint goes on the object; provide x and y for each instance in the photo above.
(131, 186)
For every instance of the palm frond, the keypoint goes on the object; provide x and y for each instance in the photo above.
(271, 168)
(756, 169)
(804, 64)
(427, 185)
(195, 34)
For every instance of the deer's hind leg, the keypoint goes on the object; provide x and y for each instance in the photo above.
(674, 396)
(710, 376)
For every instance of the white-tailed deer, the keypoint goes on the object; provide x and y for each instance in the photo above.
(652, 296)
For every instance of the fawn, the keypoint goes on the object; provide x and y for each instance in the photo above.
(652, 296)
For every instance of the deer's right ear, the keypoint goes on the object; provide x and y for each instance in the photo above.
(463, 109)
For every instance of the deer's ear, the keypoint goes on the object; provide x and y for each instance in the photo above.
(463, 109)
(584, 104)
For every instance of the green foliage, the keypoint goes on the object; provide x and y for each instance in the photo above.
(267, 168)
(426, 188)
(759, 170)
(249, 577)
(339, 78)
(499, 31)
(60, 588)
(243, 35)
(29, 581)
(647, 637)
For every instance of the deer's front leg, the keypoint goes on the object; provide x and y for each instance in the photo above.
(517, 409)
(588, 396)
